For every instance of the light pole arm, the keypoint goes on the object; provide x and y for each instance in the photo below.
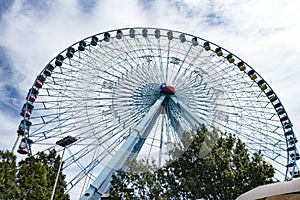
(57, 175)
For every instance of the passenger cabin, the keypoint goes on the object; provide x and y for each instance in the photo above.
(24, 127)
(23, 147)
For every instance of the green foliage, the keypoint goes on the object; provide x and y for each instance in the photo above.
(8, 186)
(201, 169)
(32, 179)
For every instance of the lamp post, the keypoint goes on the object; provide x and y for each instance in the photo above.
(63, 143)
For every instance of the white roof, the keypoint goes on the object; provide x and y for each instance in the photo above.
(281, 190)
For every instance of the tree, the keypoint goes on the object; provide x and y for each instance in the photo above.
(224, 172)
(8, 186)
(33, 178)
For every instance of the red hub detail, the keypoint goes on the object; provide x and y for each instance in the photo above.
(164, 89)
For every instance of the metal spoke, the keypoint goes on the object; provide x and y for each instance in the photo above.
(101, 92)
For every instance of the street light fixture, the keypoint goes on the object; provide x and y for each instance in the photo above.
(63, 143)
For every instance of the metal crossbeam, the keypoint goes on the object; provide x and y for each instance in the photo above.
(187, 113)
(128, 150)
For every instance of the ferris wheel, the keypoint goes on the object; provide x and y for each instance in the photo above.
(131, 93)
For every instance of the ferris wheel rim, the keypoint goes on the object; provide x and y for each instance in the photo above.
(278, 102)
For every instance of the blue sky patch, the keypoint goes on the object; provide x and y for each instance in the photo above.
(213, 19)
(87, 5)
(5, 68)
(12, 91)
(36, 8)
(10, 100)
(41, 4)
(145, 4)
(4, 6)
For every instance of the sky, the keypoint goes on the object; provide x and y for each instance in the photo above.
(265, 34)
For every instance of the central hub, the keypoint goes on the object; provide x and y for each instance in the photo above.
(167, 89)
